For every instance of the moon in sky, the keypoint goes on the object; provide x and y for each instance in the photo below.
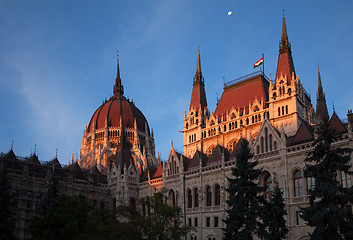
(230, 13)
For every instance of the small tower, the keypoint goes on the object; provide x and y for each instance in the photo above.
(289, 104)
(321, 107)
(194, 121)
(285, 66)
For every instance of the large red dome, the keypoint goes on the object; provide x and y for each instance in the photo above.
(111, 110)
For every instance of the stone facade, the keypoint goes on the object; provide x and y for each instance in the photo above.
(117, 163)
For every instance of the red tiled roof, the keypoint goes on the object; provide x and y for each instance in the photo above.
(237, 147)
(216, 155)
(285, 65)
(159, 171)
(198, 97)
(110, 111)
(305, 133)
(242, 93)
(123, 156)
(336, 124)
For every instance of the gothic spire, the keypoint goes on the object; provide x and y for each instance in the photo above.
(198, 78)
(118, 87)
(285, 64)
(321, 107)
(198, 96)
(284, 38)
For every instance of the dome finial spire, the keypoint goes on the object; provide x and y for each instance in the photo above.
(118, 87)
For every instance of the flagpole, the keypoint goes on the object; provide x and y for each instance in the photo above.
(263, 64)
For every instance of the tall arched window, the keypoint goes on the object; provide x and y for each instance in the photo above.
(282, 110)
(189, 198)
(279, 111)
(286, 109)
(346, 180)
(262, 144)
(266, 139)
(298, 184)
(270, 142)
(217, 195)
(310, 183)
(268, 185)
(171, 196)
(208, 196)
(196, 197)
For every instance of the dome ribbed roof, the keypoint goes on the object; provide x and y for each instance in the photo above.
(118, 106)
(111, 112)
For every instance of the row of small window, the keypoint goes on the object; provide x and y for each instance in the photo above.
(233, 125)
(192, 138)
(283, 113)
(266, 143)
(31, 199)
(298, 190)
(207, 222)
(193, 196)
(173, 168)
(281, 92)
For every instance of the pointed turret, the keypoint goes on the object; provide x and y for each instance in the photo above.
(198, 97)
(285, 64)
(321, 107)
(118, 87)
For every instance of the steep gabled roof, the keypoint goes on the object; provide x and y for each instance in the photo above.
(240, 94)
(195, 161)
(77, 171)
(237, 147)
(304, 134)
(33, 159)
(285, 64)
(123, 156)
(336, 124)
(11, 156)
(151, 170)
(198, 96)
(216, 155)
(55, 162)
(159, 171)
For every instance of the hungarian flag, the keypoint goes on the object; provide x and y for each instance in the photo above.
(259, 62)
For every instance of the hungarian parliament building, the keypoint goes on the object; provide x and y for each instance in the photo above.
(117, 164)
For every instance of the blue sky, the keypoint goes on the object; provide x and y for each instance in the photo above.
(58, 60)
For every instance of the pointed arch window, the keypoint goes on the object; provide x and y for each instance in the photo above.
(310, 183)
(270, 142)
(171, 197)
(286, 109)
(262, 144)
(268, 185)
(196, 197)
(298, 184)
(266, 139)
(346, 180)
(208, 196)
(217, 195)
(189, 198)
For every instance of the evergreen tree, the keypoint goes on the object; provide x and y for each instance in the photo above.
(7, 224)
(52, 196)
(273, 216)
(163, 221)
(245, 201)
(326, 212)
(74, 218)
